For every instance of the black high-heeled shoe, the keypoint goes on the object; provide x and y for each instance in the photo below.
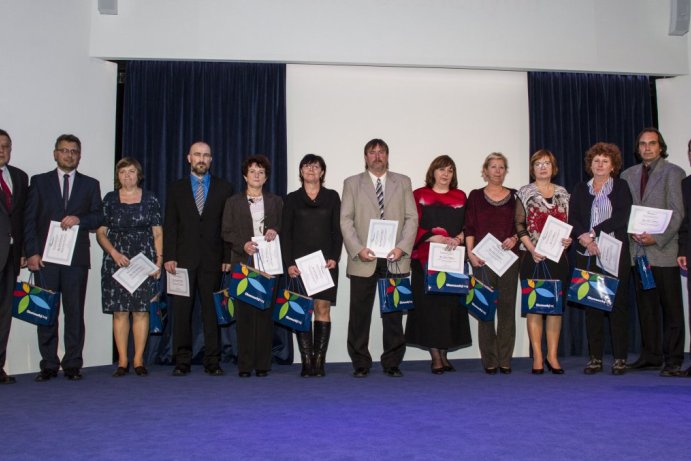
(555, 371)
(538, 371)
(438, 371)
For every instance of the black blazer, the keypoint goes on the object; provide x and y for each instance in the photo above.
(192, 240)
(44, 204)
(20, 188)
(237, 221)
(580, 205)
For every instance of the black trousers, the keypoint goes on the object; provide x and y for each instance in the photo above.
(255, 337)
(203, 282)
(661, 314)
(362, 293)
(618, 318)
(70, 281)
(7, 281)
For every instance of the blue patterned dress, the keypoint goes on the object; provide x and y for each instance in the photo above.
(129, 230)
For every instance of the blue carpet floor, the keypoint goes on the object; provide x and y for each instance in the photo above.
(462, 415)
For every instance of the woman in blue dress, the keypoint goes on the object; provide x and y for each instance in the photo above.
(131, 225)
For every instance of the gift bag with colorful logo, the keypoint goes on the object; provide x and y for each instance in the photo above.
(592, 289)
(481, 300)
(541, 295)
(223, 304)
(252, 286)
(34, 304)
(643, 266)
(449, 283)
(395, 293)
(158, 315)
(293, 309)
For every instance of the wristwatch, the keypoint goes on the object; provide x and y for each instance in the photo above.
(591, 234)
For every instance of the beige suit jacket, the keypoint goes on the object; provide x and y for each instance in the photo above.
(359, 205)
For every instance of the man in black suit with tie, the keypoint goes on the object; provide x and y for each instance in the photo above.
(192, 240)
(13, 189)
(70, 198)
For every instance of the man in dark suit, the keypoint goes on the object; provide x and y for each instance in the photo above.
(684, 244)
(656, 183)
(66, 196)
(192, 240)
(13, 189)
(377, 193)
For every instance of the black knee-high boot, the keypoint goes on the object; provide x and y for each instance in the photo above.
(322, 333)
(306, 352)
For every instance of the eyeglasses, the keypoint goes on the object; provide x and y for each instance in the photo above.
(66, 151)
(542, 164)
(312, 166)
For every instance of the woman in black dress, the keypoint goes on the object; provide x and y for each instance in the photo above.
(131, 225)
(437, 323)
(311, 222)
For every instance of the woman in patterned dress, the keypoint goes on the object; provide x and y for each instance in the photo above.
(536, 202)
(131, 225)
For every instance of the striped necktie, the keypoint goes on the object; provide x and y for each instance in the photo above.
(199, 196)
(380, 198)
(6, 191)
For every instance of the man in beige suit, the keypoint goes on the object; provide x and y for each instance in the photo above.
(377, 193)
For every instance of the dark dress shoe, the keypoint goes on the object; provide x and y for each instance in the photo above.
(261, 373)
(360, 372)
(642, 364)
(121, 371)
(674, 371)
(537, 371)
(214, 371)
(244, 374)
(449, 367)
(73, 374)
(505, 370)
(491, 371)
(181, 370)
(555, 371)
(6, 379)
(438, 371)
(393, 372)
(45, 375)
(141, 371)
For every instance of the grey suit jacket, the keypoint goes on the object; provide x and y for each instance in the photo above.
(359, 205)
(662, 191)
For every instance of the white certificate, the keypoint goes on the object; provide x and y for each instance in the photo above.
(550, 243)
(313, 272)
(610, 250)
(648, 220)
(178, 284)
(443, 260)
(60, 244)
(381, 237)
(268, 257)
(132, 276)
(498, 259)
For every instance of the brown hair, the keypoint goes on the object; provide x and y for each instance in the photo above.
(607, 150)
(540, 154)
(124, 163)
(441, 162)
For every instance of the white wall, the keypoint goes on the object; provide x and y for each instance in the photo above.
(51, 86)
(421, 113)
(626, 36)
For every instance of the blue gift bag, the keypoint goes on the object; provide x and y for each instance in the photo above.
(395, 293)
(252, 286)
(34, 304)
(293, 309)
(158, 315)
(481, 300)
(449, 283)
(592, 289)
(643, 267)
(541, 295)
(223, 304)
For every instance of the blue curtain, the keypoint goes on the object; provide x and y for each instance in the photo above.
(239, 109)
(568, 114)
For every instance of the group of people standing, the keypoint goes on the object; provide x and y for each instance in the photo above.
(206, 228)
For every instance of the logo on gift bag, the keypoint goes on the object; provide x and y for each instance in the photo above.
(395, 289)
(475, 293)
(534, 289)
(248, 278)
(289, 301)
(588, 280)
(29, 295)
